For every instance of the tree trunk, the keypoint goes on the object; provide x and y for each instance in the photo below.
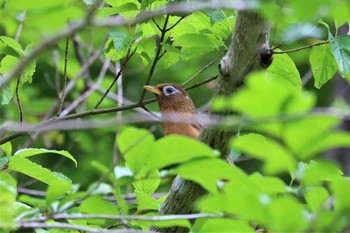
(249, 51)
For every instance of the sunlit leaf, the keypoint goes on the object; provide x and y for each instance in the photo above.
(145, 201)
(316, 197)
(277, 158)
(283, 70)
(323, 64)
(225, 225)
(136, 145)
(7, 148)
(28, 152)
(98, 205)
(175, 149)
(269, 185)
(215, 172)
(148, 184)
(286, 215)
(11, 44)
(56, 189)
(7, 200)
(318, 172)
(29, 168)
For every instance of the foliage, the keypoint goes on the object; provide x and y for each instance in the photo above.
(121, 170)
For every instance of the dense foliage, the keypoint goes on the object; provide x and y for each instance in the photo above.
(79, 146)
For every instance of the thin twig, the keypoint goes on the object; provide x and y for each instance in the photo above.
(177, 22)
(87, 93)
(63, 93)
(303, 47)
(18, 100)
(73, 227)
(125, 217)
(156, 58)
(203, 69)
(128, 56)
(202, 82)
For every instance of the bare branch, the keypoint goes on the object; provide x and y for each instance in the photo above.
(73, 227)
(302, 48)
(156, 57)
(63, 94)
(18, 100)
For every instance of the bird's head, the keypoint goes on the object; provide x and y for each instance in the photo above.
(172, 98)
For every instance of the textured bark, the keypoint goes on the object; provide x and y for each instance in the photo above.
(249, 50)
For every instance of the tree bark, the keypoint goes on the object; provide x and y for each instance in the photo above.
(249, 51)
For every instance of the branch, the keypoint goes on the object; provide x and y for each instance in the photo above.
(18, 100)
(63, 94)
(124, 217)
(73, 227)
(157, 56)
(303, 47)
(203, 69)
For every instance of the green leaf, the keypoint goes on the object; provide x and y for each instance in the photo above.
(341, 188)
(136, 145)
(146, 49)
(307, 141)
(8, 63)
(269, 185)
(215, 15)
(225, 225)
(172, 56)
(316, 198)
(33, 201)
(286, 215)
(318, 172)
(27, 167)
(28, 152)
(7, 148)
(341, 51)
(323, 64)
(145, 201)
(148, 184)
(98, 205)
(175, 149)
(122, 41)
(210, 178)
(277, 158)
(27, 75)
(165, 223)
(8, 192)
(11, 45)
(283, 70)
(238, 197)
(57, 189)
(6, 95)
(193, 45)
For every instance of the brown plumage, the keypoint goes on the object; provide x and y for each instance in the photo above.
(173, 100)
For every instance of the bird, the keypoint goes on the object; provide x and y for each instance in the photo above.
(173, 100)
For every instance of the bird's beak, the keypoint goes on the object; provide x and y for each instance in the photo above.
(153, 89)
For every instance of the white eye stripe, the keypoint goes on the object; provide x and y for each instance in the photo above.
(169, 90)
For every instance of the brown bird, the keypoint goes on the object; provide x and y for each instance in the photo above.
(173, 100)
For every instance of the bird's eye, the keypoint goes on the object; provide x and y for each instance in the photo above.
(169, 90)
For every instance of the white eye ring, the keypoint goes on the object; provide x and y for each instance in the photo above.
(169, 90)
